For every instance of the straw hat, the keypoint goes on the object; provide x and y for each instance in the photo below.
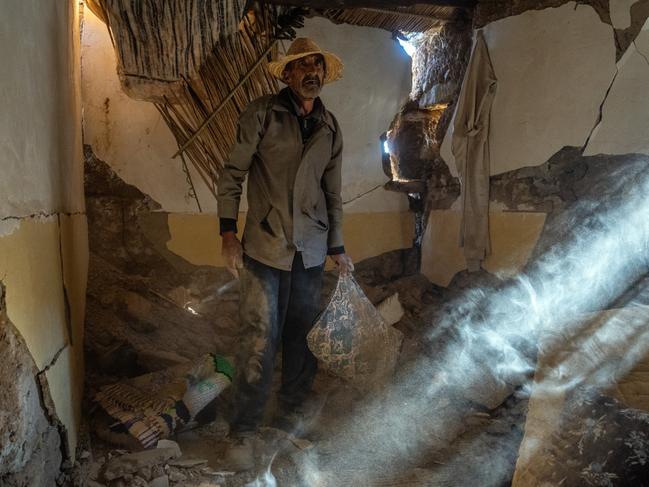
(302, 47)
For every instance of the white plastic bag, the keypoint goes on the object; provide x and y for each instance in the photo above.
(352, 340)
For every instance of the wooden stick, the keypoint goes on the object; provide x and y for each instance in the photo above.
(227, 98)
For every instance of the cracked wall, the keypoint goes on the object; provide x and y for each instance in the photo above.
(557, 82)
(133, 140)
(568, 128)
(43, 239)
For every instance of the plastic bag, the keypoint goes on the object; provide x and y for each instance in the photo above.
(352, 340)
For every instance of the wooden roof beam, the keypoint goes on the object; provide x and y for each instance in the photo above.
(338, 4)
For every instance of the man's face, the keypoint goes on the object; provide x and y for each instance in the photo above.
(305, 76)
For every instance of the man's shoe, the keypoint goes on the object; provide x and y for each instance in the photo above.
(240, 455)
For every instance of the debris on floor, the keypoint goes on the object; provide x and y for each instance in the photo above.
(153, 406)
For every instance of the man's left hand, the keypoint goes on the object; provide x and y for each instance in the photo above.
(343, 263)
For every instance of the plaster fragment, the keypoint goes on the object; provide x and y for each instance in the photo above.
(621, 13)
(554, 67)
(624, 127)
(7, 227)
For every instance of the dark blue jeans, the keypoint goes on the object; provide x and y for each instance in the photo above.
(275, 307)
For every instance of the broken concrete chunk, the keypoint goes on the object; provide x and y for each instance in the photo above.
(176, 476)
(138, 482)
(133, 462)
(217, 473)
(391, 309)
(621, 13)
(170, 444)
(158, 471)
(162, 481)
(145, 472)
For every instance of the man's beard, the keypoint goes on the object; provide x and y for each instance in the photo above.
(310, 88)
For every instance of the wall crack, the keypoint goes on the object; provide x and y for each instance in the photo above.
(601, 111)
(66, 297)
(362, 194)
(42, 214)
(641, 53)
(54, 359)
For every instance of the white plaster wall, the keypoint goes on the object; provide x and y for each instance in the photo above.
(39, 120)
(553, 67)
(624, 127)
(376, 83)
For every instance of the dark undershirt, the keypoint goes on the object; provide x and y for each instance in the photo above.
(307, 125)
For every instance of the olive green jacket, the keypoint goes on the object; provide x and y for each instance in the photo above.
(294, 201)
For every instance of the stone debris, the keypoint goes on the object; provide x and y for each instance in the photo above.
(170, 444)
(391, 309)
(215, 473)
(133, 462)
(176, 476)
(188, 463)
(162, 481)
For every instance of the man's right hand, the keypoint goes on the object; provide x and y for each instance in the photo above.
(232, 252)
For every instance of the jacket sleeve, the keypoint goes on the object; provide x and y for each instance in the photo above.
(230, 184)
(332, 187)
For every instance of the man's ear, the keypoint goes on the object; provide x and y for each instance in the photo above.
(285, 75)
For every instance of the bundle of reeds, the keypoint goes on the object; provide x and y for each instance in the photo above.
(158, 43)
(203, 117)
(417, 18)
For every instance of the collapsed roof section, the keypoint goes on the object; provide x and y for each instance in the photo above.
(202, 61)
(158, 44)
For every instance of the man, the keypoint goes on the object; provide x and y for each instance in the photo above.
(290, 148)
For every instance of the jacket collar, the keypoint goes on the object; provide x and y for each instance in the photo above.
(284, 101)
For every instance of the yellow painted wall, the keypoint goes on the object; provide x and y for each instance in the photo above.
(513, 236)
(37, 259)
(30, 267)
(196, 237)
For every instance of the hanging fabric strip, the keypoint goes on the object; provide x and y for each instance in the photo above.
(471, 150)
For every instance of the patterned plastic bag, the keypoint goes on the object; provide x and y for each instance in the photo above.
(352, 340)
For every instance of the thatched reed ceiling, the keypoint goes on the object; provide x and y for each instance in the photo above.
(417, 18)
